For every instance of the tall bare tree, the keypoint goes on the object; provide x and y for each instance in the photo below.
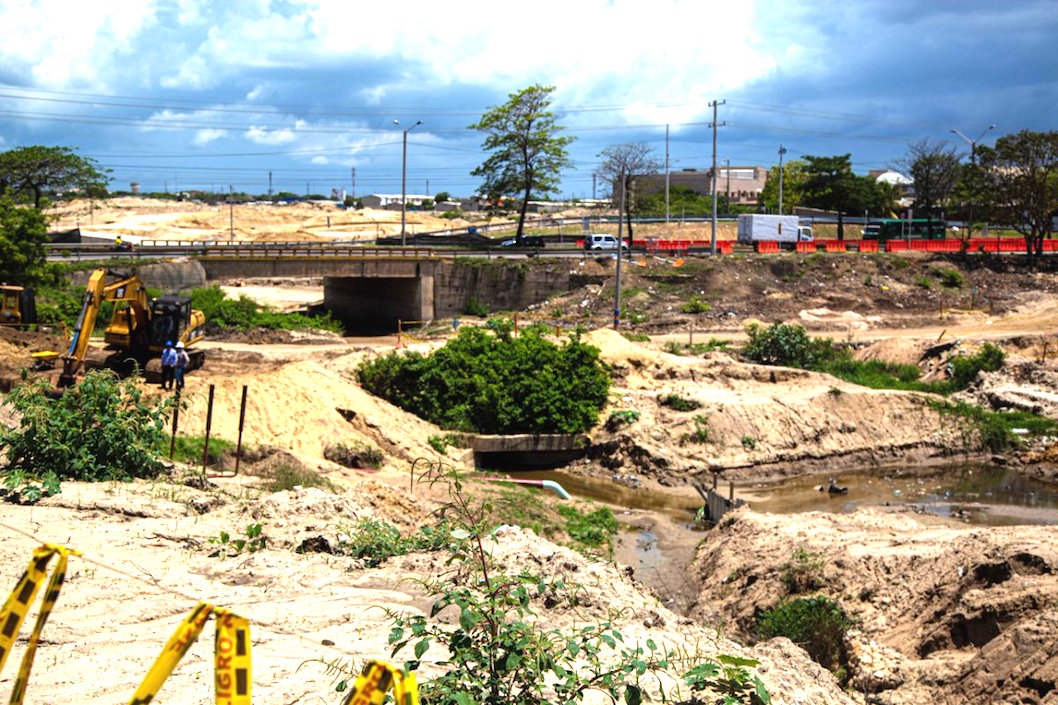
(620, 165)
(934, 169)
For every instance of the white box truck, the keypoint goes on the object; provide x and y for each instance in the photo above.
(755, 227)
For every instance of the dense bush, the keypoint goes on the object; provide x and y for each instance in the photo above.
(787, 345)
(244, 313)
(816, 624)
(486, 383)
(102, 429)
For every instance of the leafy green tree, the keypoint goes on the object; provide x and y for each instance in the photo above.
(33, 171)
(527, 152)
(794, 177)
(831, 185)
(23, 233)
(1021, 178)
(934, 168)
(441, 196)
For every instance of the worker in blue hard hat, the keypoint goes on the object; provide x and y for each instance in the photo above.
(168, 365)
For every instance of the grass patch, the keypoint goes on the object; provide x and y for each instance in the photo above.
(244, 314)
(636, 337)
(287, 476)
(354, 455)
(678, 403)
(189, 450)
(816, 624)
(593, 529)
(696, 305)
(995, 429)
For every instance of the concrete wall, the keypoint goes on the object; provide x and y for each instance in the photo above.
(500, 285)
(375, 305)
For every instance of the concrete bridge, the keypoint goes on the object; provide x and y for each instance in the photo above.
(375, 292)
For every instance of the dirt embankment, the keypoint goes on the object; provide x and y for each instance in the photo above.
(752, 422)
(152, 558)
(947, 614)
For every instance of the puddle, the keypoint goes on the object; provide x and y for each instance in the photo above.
(977, 494)
(680, 507)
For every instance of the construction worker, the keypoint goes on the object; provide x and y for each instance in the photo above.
(168, 365)
(182, 361)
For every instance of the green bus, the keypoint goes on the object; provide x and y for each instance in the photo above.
(898, 229)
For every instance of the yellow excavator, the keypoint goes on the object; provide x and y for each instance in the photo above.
(139, 327)
(17, 306)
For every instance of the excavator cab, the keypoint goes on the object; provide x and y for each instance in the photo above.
(17, 305)
(172, 318)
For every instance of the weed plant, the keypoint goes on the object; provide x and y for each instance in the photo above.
(816, 624)
(678, 403)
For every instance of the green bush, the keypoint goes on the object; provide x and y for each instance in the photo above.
(964, 369)
(476, 308)
(803, 572)
(949, 278)
(816, 624)
(486, 383)
(223, 313)
(373, 540)
(696, 305)
(102, 429)
(678, 403)
(786, 345)
(354, 455)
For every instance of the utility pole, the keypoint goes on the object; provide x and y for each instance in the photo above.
(782, 151)
(427, 187)
(353, 192)
(593, 175)
(231, 214)
(973, 163)
(269, 184)
(404, 183)
(715, 124)
(727, 190)
(666, 173)
(620, 242)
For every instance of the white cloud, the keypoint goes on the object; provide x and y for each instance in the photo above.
(70, 42)
(320, 160)
(207, 136)
(262, 135)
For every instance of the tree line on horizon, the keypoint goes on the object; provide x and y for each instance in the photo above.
(1013, 184)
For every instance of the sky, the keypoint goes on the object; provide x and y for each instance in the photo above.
(182, 95)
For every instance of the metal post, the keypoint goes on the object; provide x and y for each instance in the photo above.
(782, 151)
(176, 420)
(666, 173)
(620, 240)
(242, 419)
(231, 215)
(209, 425)
(404, 184)
(714, 104)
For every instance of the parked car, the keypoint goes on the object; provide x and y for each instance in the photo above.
(603, 242)
(527, 241)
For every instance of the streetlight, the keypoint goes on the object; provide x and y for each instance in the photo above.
(404, 182)
(782, 151)
(973, 162)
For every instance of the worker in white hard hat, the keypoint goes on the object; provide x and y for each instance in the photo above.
(182, 361)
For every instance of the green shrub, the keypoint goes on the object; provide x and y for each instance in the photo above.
(787, 345)
(964, 369)
(636, 337)
(803, 572)
(486, 383)
(287, 476)
(476, 308)
(354, 455)
(254, 541)
(621, 417)
(995, 429)
(696, 305)
(816, 624)
(102, 429)
(701, 433)
(223, 313)
(373, 540)
(924, 282)
(190, 449)
(749, 442)
(949, 278)
(678, 403)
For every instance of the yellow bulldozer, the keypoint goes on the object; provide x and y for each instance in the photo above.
(139, 326)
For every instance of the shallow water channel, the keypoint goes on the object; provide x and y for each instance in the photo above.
(659, 537)
(978, 494)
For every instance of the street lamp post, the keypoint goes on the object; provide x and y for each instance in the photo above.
(782, 151)
(404, 183)
(973, 162)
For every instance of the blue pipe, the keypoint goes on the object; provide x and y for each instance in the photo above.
(545, 484)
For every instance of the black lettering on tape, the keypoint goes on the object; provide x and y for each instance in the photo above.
(10, 625)
(28, 588)
(41, 562)
(242, 681)
(240, 642)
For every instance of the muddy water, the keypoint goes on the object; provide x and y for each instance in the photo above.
(658, 536)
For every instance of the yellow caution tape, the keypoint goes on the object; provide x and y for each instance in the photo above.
(378, 677)
(17, 605)
(232, 654)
